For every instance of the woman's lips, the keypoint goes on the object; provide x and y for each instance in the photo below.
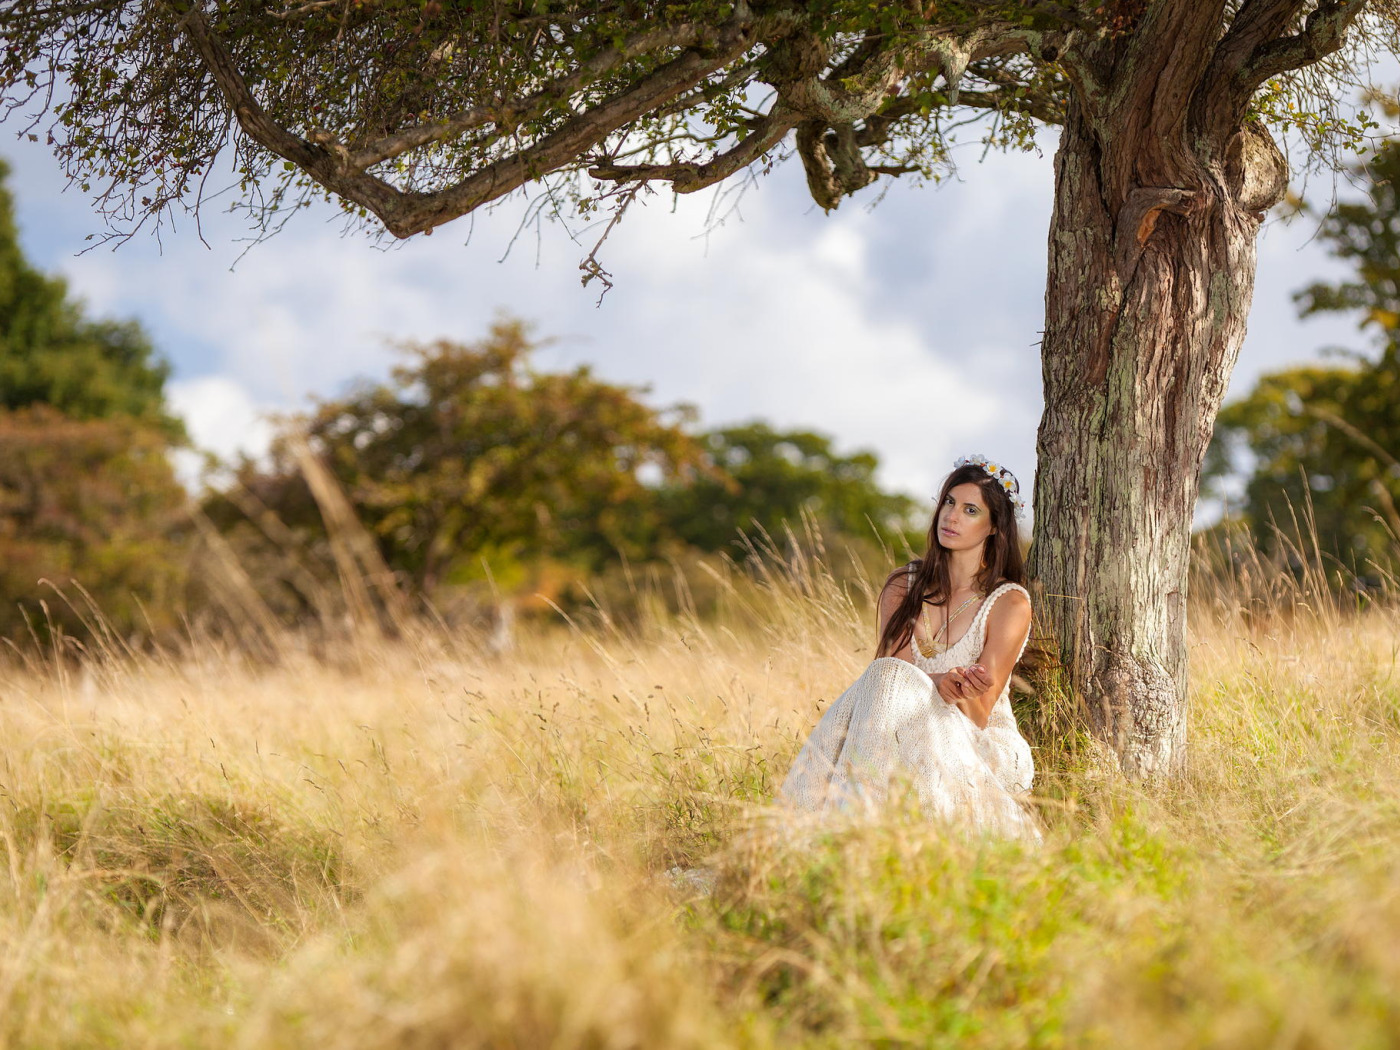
(947, 532)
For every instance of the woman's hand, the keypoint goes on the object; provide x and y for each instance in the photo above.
(952, 685)
(964, 683)
(963, 686)
(976, 680)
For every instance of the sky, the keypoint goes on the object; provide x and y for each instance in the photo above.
(908, 327)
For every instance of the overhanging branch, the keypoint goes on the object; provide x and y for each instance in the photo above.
(1322, 34)
(509, 115)
(333, 166)
(687, 178)
(581, 104)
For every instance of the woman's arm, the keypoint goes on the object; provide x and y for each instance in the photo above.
(978, 687)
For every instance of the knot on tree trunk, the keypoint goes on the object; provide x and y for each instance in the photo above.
(1139, 708)
(1256, 170)
(1138, 218)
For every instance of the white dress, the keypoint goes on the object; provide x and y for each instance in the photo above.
(892, 729)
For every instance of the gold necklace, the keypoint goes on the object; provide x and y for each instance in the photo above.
(932, 647)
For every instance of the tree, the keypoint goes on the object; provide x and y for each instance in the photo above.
(768, 479)
(420, 111)
(1321, 437)
(93, 501)
(1329, 436)
(51, 354)
(87, 492)
(470, 463)
(467, 458)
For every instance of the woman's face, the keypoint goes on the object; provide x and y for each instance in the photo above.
(964, 521)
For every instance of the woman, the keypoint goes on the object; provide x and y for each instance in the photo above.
(932, 711)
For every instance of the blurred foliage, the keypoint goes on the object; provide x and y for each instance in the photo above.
(87, 492)
(468, 464)
(94, 501)
(1324, 439)
(476, 474)
(52, 354)
(764, 479)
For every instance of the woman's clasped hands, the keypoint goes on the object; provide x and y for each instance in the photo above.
(964, 683)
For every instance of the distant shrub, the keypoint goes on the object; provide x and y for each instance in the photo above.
(87, 506)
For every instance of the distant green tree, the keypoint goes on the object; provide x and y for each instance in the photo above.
(87, 492)
(766, 479)
(468, 460)
(52, 354)
(1329, 435)
(1320, 438)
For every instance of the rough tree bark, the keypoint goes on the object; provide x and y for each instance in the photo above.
(1159, 195)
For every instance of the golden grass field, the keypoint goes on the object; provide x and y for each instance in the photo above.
(414, 844)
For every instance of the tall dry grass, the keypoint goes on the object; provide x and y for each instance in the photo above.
(413, 843)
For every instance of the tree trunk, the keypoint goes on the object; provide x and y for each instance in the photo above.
(1151, 273)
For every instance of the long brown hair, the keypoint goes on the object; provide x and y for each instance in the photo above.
(1001, 558)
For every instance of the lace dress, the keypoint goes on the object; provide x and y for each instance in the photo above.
(891, 730)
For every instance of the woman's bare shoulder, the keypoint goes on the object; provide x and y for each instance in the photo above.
(1012, 604)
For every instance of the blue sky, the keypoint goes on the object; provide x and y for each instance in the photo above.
(908, 327)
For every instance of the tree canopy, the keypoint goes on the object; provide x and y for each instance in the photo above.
(468, 455)
(766, 480)
(420, 111)
(52, 354)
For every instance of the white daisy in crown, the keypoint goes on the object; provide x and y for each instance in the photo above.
(998, 473)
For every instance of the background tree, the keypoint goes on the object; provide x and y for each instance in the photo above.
(766, 480)
(88, 505)
(470, 464)
(52, 354)
(87, 492)
(1329, 435)
(419, 112)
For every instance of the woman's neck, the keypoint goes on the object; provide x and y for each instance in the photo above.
(963, 567)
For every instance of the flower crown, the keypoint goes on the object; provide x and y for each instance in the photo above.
(999, 474)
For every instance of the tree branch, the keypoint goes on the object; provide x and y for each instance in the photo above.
(878, 126)
(709, 90)
(404, 214)
(1323, 33)
(687, 178)
(328, 168)
(1256, 23)
(509, 115)
(302, 10)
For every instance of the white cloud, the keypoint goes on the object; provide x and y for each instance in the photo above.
(221, 416)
